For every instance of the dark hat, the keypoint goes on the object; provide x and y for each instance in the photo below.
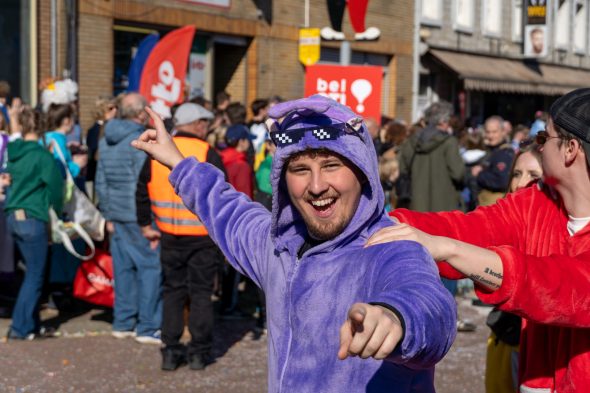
(571, 113)
(237, 132)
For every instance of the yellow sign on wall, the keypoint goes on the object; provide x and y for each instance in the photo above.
(309, 46)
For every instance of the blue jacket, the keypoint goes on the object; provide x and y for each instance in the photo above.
(308, 297)
(495, 175)
(118, 169)
(61, 141)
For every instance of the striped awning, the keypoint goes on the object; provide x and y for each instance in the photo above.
(498, 74)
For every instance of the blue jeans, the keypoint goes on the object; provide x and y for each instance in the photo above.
(138, 281)
(31, 238)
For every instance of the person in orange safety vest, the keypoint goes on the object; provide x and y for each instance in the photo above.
(188, 255)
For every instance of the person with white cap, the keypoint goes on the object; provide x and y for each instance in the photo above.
(188, 255)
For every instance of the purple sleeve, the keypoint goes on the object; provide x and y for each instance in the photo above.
(237, 225)
(408, 282)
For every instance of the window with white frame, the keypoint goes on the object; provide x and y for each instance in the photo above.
(517, 20)
(580, 26)
(491, 17)
(562, 24)
(463, 15)
(432, 12)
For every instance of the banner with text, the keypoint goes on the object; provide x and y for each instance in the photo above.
(162, 79)
(358, 87)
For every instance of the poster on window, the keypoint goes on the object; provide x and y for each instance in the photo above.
(535, 30)
(197, 74)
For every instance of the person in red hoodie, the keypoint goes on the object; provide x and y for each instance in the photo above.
(235, 159)
(529, 253)
(241, 176)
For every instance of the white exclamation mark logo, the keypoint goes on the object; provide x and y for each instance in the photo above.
(361, 89)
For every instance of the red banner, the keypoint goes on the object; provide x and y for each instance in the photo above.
(162, 79)
(358, 87)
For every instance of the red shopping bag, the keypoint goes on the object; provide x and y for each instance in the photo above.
(94, 282)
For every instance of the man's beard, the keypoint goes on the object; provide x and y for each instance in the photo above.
(326, 231)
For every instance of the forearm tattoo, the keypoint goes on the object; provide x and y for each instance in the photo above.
(483, 280)
(493, 273)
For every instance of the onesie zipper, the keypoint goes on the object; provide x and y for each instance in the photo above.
(284, 370)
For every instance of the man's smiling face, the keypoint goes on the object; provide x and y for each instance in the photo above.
(325, 189)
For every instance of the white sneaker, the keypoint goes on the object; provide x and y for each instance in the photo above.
(330, 34)
(372, 33)
(154, 338)
(123, 333)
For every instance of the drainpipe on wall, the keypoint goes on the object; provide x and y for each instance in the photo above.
(33, 53)
(416, 55)
(53, 38)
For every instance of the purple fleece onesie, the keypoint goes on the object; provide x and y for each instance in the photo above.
(308, 298)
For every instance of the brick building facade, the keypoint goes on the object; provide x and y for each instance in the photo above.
(252, 45)
(472, 55)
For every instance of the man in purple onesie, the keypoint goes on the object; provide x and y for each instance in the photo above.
(308, 256)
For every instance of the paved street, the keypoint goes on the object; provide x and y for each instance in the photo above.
(86, 359)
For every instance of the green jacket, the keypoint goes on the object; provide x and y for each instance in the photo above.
(263, 175)
(37, 182)
(437, 170)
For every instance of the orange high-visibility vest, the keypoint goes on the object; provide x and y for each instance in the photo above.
(171, 215)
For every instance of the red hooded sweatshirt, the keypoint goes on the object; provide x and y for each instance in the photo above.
(546, 281)
(239, 172)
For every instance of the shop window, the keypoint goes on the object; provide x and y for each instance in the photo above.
(463, 15)
(517, 20)
(580, 26)
(562, 24)
(431, 12)
(491, 18)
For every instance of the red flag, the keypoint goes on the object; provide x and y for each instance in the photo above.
(162, 79)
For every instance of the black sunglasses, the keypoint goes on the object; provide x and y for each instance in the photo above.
(321, 133)
(543, 136)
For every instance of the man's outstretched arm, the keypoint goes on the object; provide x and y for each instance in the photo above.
(411, 319)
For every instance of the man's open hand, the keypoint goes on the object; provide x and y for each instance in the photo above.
(369, 331)
(439, 247)
(158, 143)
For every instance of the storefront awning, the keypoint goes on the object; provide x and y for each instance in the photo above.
(496, 74)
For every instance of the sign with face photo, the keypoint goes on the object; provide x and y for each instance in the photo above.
(535, 41)
(535, 29)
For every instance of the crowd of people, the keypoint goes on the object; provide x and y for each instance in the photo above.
(162, 254)
(493, 203)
